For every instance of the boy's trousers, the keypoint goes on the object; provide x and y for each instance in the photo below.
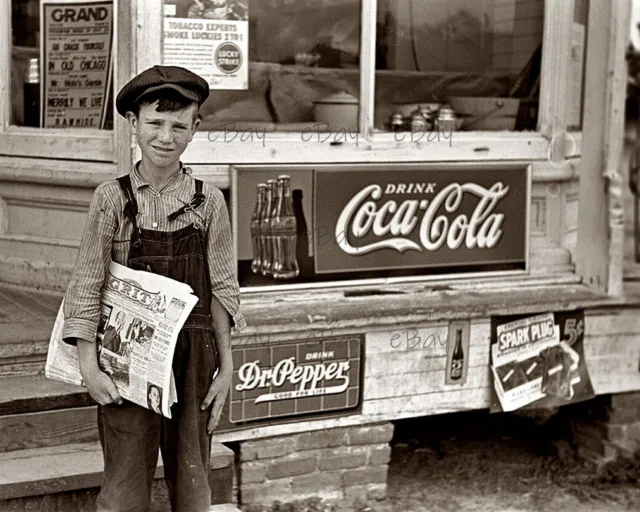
(130, 436)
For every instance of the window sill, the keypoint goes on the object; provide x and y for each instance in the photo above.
(251, 146)
(71, 173)
(71, 144)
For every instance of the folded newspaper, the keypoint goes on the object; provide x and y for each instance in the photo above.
(142, 314)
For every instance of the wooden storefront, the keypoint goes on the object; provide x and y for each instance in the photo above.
(573, 221)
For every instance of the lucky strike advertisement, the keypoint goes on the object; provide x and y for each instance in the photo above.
(326, 223)
(211, 38)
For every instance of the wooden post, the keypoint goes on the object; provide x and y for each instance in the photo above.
(599, 255)
(124, 70)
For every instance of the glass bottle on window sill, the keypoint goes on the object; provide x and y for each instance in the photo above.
(32, 94)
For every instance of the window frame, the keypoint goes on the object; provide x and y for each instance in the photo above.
(77, 143)
(550, 142)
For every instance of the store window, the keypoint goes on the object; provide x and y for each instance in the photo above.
(61, 64)
(303, 64)
(464, 65)
(577, 60)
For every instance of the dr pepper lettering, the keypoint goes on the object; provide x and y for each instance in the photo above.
(438, 219)
(305, 376)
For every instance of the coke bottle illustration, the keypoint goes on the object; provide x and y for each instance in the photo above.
(256, 219)
(305, 262)
(457, 359)
(265, 230)
(272, 235)
(283, 228)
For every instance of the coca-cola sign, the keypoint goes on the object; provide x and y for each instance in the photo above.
(288, 381)
(457, 217)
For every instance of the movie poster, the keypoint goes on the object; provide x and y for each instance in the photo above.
(538, 361)
(76, 40)
(209, 37)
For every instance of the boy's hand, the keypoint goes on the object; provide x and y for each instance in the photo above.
(218, 391)
(102, 388)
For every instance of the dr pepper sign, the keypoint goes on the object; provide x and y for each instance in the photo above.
(458, 218)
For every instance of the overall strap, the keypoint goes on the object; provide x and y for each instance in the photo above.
(195, 203)
(131, 207)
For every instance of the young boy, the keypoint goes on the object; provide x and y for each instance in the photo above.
(159, 219)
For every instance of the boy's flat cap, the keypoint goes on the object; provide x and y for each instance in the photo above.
(187, 83)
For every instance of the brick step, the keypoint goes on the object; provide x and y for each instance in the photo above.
(57, 470)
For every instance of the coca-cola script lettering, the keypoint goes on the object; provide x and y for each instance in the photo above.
(441, 223)
(305, 377)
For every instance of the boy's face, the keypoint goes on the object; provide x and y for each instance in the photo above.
(163, 136)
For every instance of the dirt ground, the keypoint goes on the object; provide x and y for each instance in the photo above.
(481, 462)
(497, 463)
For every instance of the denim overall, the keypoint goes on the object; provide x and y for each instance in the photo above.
(131, 435)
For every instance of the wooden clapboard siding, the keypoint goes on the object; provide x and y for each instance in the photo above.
(614, 374)
(409, 384)
(427, 404)
(416, 361)
(394, 341)
(433, 337)
(621, 321)
(393, 371)
(610, 344)
(50, 428)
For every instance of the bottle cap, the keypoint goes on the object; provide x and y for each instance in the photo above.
(284, 177)
(262, 185)
(33, 75)
(271, 182)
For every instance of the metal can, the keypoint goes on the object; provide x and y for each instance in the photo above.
(446, 121)
(428, 114)
(397, 122)
(418, 122)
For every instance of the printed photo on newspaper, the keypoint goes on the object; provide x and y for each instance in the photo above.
(539, 360)
(141, 316)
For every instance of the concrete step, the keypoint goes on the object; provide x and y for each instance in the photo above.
(59, 470)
